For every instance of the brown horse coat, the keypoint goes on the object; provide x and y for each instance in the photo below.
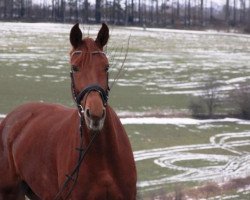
(38, 144)
(38, 147)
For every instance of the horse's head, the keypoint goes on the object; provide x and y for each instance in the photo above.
(89, 75)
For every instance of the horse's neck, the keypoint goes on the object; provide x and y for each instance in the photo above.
(106, 138)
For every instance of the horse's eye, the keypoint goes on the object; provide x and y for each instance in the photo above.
(74, 68)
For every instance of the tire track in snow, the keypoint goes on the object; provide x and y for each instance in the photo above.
(223, 168)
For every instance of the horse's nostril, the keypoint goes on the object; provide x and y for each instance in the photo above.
(103, 113)
(95, 115)
(88, 113)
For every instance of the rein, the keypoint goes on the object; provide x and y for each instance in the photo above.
(75, 172)
(73, 176)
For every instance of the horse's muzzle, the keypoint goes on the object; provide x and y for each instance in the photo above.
(94, 123)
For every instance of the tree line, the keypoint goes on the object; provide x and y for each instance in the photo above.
(152, 13)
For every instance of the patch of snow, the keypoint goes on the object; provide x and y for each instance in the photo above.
(178, 121)
(2, 116)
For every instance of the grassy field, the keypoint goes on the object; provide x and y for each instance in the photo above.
(164, 70)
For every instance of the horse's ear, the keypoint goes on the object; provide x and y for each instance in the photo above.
(103, 35)
(76, 36)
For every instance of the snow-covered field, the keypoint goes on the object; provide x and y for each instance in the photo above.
(164, 69)
(223, 168)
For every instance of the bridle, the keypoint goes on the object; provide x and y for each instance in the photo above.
(78, 97)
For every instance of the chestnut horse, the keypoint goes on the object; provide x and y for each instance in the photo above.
(44, 155)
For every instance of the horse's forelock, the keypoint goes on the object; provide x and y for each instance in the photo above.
(90, 45)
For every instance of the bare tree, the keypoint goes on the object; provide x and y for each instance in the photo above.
(202, 13)
(77, 9)
(211, 11)
(242, 11)
(178, 12)
(210, 96)
(206, 104)
(98, 11)
(86, 11)
(132, 12)
(240, 99)
(62, 11)
(140, 12)
(8, 9)
(234, 16)
(22, 9)
(189, 13)
(157, 11)
(150, 12)
(126, 13)
(227, 12)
